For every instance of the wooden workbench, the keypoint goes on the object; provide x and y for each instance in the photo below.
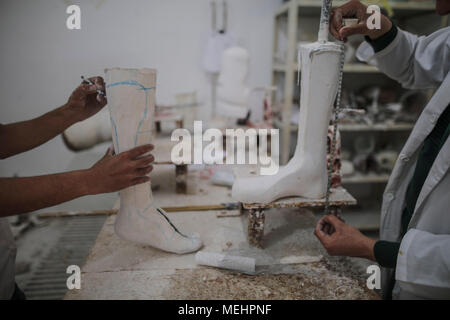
(117, 269)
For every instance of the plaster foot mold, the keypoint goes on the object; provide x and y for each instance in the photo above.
(131, 101)
(305, 175)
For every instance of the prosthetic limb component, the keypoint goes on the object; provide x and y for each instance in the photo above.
(131, 100)
(306, 173)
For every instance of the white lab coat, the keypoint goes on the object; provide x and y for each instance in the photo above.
(423, 263)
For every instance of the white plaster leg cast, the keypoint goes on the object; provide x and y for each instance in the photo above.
(306, 173)
(131, 101)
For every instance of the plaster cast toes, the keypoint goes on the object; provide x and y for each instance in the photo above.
(178, 242)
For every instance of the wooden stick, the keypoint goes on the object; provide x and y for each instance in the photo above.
(57, 214)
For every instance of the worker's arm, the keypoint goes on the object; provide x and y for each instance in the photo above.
(423, 264)
(344, 240)
(19, 137)
(416, 62)
(112, 173)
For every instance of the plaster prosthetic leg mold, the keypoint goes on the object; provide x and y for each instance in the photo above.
(305, 175)
(131, 101)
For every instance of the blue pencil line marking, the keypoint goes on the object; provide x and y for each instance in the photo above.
(129, 83)
(116, 135)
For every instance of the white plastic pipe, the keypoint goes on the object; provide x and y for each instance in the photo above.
(225, 261)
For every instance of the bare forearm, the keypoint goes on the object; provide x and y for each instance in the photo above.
(110, 174)
(19, 137)
(20, 195)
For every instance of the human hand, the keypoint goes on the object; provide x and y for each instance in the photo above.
(116, 172)
(85, 101)
(343, 239)
(355, 9)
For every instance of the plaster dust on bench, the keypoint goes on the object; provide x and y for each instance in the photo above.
(118, 269)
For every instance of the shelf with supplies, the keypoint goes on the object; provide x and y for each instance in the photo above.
(348, 68)
(365, 178)
(350, 127)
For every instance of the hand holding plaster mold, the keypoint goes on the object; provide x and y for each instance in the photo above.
(344, 240)
(85, 100)
(356, 9)
(116, 172)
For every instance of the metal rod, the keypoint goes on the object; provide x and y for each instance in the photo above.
(325, 20)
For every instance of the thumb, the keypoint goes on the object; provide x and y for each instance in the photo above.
(333, 220)
(359, 28)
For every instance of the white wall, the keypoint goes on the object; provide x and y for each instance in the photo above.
(41, 61)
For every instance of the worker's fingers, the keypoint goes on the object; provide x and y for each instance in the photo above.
(331, 229)
(102, 99)
(359, 28)
(336, 23)
(334, 221)
(99, 85)
(138, 151)
(144, 171)
(144, 161)
(320, 233)
(320, 226)
(361, 13)
(86, 89)
(99, 82)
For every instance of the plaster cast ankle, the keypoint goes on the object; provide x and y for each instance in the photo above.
(306, 173)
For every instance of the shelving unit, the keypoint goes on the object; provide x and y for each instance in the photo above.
(291, 13)
(360, 127)
(403, 8)
(296, 9)
(349, 68)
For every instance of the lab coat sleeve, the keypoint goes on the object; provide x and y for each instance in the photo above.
(423, 264)
(415, 62)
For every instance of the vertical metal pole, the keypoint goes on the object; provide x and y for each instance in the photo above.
(289, 80)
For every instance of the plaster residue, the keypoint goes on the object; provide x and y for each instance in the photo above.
(326, 280)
